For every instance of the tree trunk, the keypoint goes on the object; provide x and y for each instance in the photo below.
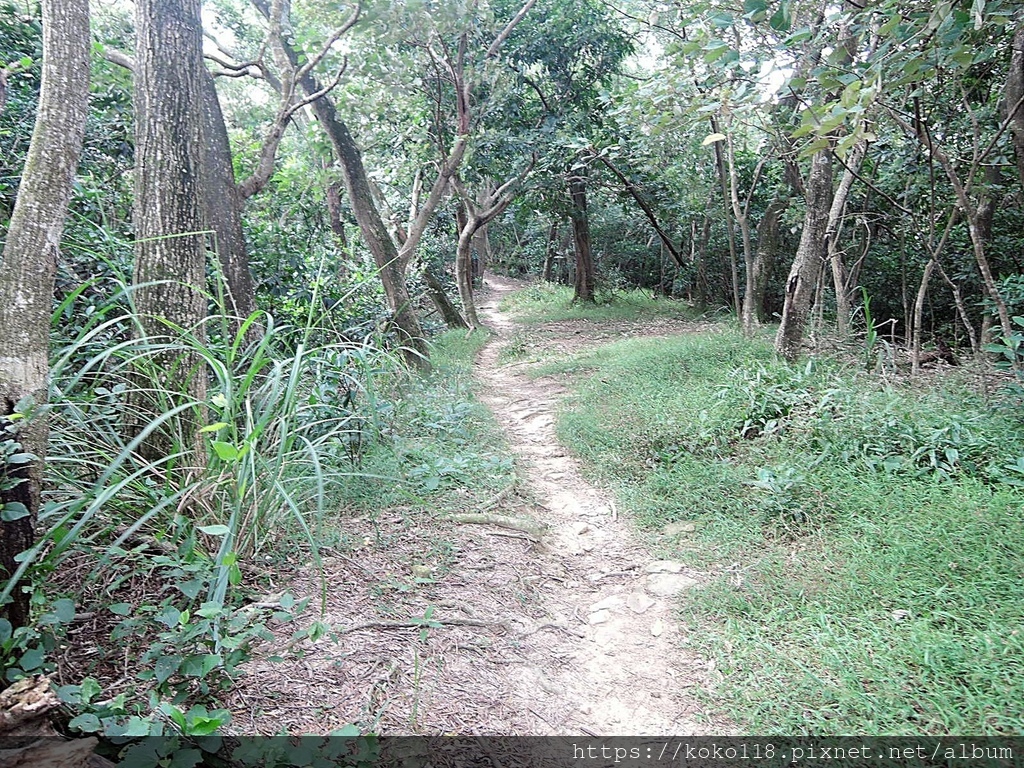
(550, 251)
(222, 206)
(360, 195)
(734, 273)
(170, 254)
(482, 245)
(27, 274)
(435, 290)
(464, 269)
(701, 288)
(333, 194)
(807, 263)
(922, 292)
(764, 256)
(840, 279)
(584, 282)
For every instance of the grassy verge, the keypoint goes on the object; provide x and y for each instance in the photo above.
(439, 449)
(867, 541)
(548, 303)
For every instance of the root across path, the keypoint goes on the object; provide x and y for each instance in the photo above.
(553, 619)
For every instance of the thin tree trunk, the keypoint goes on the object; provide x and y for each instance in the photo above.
(767, 246)
(549, 251)
(807, 263)
(27, 276)
(333, 195)
(585, 281)
(435, 290)
(702, 288)
(390, 266)
(922, 291)
(834, 230)
(723, 179)
(961, 309)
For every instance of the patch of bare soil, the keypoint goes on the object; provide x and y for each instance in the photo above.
(571, 633)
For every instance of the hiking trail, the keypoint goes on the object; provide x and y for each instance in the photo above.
(573, 634)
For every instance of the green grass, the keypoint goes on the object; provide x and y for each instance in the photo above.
(867, 540)
(440, 449)
(548, 303)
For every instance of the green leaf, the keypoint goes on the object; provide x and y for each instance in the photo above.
(191, 589)
(780, 19)
(755, 10)
(25, 62)
(711, 138)
(200, 665)
(6, 630)
(214, 427)
(210, 610)
(13, 510)
(90, 689)
(165, 667)
(137, 727)
(347, 731)
(86, 723)
(215, 530)
(120, 609)
(65, 610)
(226, 451)
(169, 617)
(32, 659)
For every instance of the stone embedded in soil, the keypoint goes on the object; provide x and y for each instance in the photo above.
(599, 617)
(658, 628)
(612, 601)
(664, 566)
(669, 584)
(638, 602)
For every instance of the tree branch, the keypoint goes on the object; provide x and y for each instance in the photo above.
(503, 36)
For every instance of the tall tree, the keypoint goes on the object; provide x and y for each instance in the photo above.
(27, 274)
(170, 253)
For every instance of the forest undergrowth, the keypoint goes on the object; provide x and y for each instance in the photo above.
(865, 530)
(156, 579)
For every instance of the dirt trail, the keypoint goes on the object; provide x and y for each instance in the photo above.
(609, 659)
(572, 635)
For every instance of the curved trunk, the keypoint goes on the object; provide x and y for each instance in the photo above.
(840, 279)
(464, 272)
(390, 266)
(27, 274)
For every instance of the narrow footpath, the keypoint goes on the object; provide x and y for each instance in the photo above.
(608, 658)
(573, 633)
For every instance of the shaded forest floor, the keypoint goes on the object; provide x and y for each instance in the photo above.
(448, 627)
